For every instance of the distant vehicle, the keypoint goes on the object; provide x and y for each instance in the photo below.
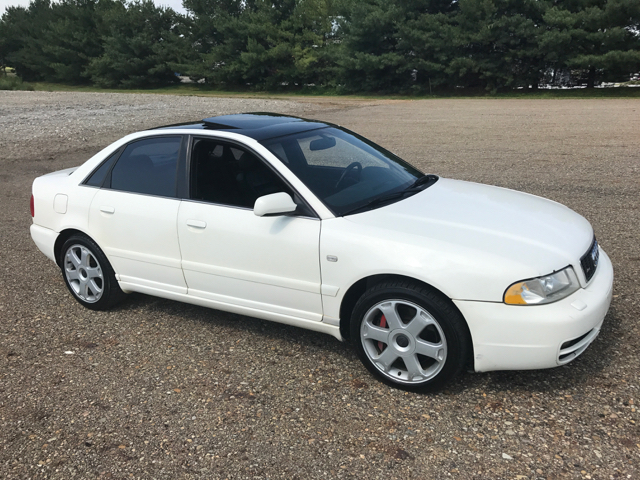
(309, 224)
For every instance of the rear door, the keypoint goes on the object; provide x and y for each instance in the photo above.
(133, 216)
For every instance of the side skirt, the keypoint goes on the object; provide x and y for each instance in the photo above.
(321, 327)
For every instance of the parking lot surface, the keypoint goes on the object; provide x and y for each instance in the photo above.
(159, 389)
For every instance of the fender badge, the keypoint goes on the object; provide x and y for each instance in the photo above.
(332, 258)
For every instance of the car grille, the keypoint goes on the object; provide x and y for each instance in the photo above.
(589, 260)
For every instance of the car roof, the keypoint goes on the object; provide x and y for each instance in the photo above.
(258, 125)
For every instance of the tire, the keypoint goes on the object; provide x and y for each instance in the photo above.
(426, 339)
(88, 274)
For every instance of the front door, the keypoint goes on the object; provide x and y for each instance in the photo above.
(233, 257)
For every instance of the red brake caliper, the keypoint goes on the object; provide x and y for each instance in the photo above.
(383, 324)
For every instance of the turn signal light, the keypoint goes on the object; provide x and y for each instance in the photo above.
(547, 289)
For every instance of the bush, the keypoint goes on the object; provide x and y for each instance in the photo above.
(13, 82)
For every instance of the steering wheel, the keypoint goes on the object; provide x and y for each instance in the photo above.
(347, 171)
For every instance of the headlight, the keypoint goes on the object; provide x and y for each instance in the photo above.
(547, 289)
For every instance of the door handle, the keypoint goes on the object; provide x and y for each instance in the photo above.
(107, 209)
(197, 223)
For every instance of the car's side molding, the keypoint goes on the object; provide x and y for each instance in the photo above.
(321, 327)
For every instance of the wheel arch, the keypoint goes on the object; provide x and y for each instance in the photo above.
(63, 236)
(112, 293)
(356, 290)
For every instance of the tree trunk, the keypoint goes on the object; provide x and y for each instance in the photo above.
(591, 78)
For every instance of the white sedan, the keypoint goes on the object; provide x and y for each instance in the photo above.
(309, 224)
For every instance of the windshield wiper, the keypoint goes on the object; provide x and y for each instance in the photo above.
(424, 181)
(417, 186)
(377, 201)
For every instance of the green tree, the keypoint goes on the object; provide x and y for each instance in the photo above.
(428, 38)
(21, 38)
(74, 38)
(361, 45)
(53, 41)
(598, 37)
(203, 31)
(400, 45)
(370, 56)
(137, 47)
(11, 22)
(265, 44)
(497, 44)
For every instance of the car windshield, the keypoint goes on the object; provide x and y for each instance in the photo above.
(345, 171)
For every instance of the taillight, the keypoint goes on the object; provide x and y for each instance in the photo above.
(31, 207)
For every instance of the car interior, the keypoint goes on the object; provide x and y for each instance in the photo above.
(338, 173)
(227, 175)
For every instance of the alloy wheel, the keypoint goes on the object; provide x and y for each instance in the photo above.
(403, 341)
(83, 273)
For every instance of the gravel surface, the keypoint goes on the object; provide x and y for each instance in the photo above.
(66, 122)
(159, 389)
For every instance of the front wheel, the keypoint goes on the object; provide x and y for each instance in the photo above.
(88, 274)
(409, 336)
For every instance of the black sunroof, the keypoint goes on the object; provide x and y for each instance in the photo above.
(251, 121)
(262, 126)
(259, 126)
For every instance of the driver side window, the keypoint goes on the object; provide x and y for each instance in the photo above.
(226, 174)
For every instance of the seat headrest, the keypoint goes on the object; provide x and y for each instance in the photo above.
(247, 161)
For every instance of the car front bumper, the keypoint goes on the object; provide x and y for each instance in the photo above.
(514, 337)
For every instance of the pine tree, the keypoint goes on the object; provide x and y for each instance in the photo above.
(262, 44)
(136, 46)
(73, 38)
(22, 32)
(598, 39)
(371, 58)
(496, 46)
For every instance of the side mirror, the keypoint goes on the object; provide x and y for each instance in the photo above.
(274, 204)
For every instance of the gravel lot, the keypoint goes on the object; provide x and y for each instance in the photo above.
(158, 389)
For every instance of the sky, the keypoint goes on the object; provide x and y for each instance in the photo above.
(174, 4)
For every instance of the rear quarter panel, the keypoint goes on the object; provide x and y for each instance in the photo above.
(60, 203)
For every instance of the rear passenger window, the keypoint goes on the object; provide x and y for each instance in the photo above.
(97, 178)
(148, 166)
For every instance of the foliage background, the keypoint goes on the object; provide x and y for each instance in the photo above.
(386, 46)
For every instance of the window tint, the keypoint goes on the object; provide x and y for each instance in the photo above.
(97, 177)
(279, 152)
(227, 175)
(148, 166)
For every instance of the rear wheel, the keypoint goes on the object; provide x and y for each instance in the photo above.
(88, 274)
(409, 336)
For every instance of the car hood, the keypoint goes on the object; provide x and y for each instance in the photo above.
(489, 226)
